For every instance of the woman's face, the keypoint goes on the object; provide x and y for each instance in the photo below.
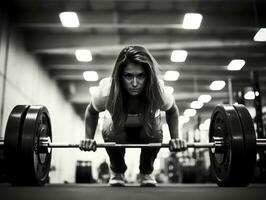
(134, 79)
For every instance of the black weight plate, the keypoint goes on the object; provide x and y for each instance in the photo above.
(226, 166)
(12, 143)
(249, 142)
(36, 165)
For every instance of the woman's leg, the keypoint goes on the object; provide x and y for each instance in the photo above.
(148, 155)
(116, 155)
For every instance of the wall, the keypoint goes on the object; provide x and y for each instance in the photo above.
(24, 81)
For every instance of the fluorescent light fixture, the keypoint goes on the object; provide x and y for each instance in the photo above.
(217, 85)
(83, 55)
(190, 112)
(69, 19)
(196, 104)
(183, 119)
(236, 64)
(192, 21)
(90, 76)
(250, 95)
(93, 89)
(260, 35)
(178, 56)
(171, 75)
(205, 98)
(169, 89)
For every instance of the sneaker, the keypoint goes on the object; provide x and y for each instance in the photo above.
(117, 179)
(147, 180)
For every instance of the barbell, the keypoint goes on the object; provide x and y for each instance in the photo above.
(28, 145)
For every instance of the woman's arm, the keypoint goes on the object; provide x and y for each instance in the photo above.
(97, 105)
(172, 120)
(91, 121)
(175, 143)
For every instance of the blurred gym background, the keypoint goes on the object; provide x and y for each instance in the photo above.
(55, 52)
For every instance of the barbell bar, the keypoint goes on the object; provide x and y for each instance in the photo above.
(45, 142)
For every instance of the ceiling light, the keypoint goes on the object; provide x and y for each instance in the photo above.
(90, 76)
(83, 55)
(69, 19)
(236, 64)
(190, 112)
(192, 21)
(178, 56)
(196, 104)
(217, 85)
(260, 35)
(250, 95)
(205, 98)
(171, 75)
(93, 89)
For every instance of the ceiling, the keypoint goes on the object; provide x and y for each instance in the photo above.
(106, 26)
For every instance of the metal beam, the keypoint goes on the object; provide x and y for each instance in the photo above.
(136, 20)
(199, 74)
(112, 43)
(211, 62)
(180, 84)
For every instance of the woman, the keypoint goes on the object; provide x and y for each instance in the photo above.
(134, 97)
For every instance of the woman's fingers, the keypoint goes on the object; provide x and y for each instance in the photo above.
(177, 145)
(88, 145)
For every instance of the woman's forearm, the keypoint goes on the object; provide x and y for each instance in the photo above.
(172, 120)
(91, 121)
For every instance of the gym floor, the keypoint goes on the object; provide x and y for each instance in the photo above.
(132, 192)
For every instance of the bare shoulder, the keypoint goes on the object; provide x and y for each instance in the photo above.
(105, 86)
(167, 96)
